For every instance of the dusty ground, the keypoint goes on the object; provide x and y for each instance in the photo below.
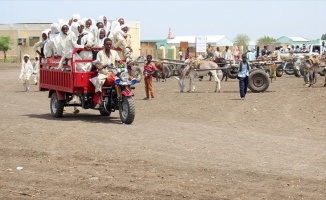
(201, 145)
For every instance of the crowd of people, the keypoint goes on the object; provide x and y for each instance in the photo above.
(66, 35)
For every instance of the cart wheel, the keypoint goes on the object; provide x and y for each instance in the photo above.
(137, 73)
(56, 106)
(167, 72)
(171, 70)
(297, 72)
(127, 110)
(232, 73)
(289, 69)
(258, 81)
(279, 71)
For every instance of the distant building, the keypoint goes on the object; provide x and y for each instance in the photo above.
(25, 35)
(293, 40)
(213, 40)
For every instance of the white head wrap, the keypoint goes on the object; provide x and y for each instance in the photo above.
(124, 26)
(81, 22)
(75, 16)
(74, 28)
(61, 21)
(24, 57)
(100, 19)
(55, 28)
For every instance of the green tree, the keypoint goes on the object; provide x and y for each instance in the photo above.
(242, 40)
(5, 43)
(323, 37)
(265, 39)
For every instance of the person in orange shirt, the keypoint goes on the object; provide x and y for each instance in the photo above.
(149, 69)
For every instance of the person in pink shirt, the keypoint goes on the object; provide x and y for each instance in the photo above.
(149, 69)
(236, 53)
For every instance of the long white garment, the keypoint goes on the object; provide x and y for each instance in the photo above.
(36, 68)
(99, 42)
(42, 43)
(87, 40)
(71, 41)
(115, 26)
(25, 72)
(105, 60)
(70, 44)
(123, 41)
(61, 41)
(54, 38)
(107, 26)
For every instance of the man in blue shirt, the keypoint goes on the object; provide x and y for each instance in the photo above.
(251, 55)
(243, 76)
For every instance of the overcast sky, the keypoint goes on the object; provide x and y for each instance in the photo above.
(186, 18)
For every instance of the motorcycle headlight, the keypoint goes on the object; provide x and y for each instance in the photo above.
(117, 81)
(133, 81)
(124, 76)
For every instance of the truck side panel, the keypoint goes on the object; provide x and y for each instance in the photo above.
(56, 80)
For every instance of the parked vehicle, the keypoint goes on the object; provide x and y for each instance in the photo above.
(64, 84)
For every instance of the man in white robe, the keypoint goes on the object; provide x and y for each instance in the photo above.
(122, 43)
(69, 43)
(25, 72)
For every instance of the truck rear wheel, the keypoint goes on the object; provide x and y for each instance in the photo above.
(56, 106)
(258, 81)
(127, 110)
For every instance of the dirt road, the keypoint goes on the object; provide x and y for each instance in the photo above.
(200, 145)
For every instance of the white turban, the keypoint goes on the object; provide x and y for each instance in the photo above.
(124, 26)
(75, 16)
(55, 28)
(100, 19)
(81, 22)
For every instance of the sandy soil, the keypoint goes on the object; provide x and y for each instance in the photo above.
(200, 145)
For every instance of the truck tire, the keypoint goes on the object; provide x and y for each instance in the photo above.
(127, 110)
(258, 81)
(279, 71)
(56, 106)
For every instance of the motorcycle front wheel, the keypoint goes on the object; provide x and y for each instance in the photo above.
(127, 110)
